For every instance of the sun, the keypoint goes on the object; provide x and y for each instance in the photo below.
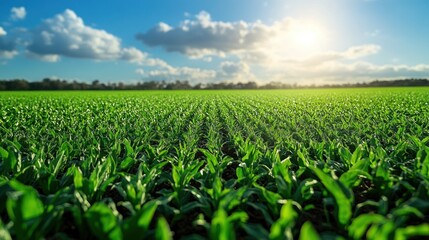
(306, 37)
(299, 40)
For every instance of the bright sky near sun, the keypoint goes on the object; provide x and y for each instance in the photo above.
(291, 41)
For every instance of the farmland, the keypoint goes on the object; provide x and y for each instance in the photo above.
(279, 164)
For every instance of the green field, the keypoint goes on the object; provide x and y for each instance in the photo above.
(274, 164)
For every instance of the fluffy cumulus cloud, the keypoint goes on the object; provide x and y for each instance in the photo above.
(18, 13)
(202, 36)
(234, 68)
(7, 47)
(140, 71)
(67, 35)
(237, 71)
(2, 32)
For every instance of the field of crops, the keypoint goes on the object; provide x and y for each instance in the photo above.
(289, 164)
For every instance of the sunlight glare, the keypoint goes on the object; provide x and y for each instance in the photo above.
(300, 40)
(306, 37)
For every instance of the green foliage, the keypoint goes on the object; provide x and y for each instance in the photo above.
(343, 199)
(282, 228)
(25, 209)
(163, 230)
(308, 232)
(103, 222)
(295, 164)
(137, 226)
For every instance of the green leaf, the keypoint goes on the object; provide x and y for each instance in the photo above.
(359, 226)
(282, 228)
(381, 231)
(25, 210)
(255, 231)
(345, 154)
(162, 231)
(303, 162)
(138, 224)
(343, 203)
(305, 190)
(128, 148)
(221, 228)
(308, 232)
(351, 178)
(18, 207)
(405, 211)
(421, 230)
(77, 179)
(3, 153)
(239, 216)
(272, 199)
(102, 222)
(10, 163)
(175, 173)
(212, 161)
(357, 154)
(127, 163)
(4, 233)
(188, 207)
(60, 161)
(240, 173)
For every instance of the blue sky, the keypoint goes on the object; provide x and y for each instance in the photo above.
(295, 41)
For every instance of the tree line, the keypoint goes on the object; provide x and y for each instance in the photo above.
(57, 84)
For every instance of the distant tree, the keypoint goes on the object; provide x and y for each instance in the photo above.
(95, 85)
(17, 84)
(57, 84)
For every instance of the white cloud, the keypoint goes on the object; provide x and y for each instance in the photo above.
(8, 54)
(163, 27)
(140, 71)
(336, 71)
(2, 32)
(373, 70)
(133, 55)
(46, 57)
(7, 47)
(361, 51)
(67, 35)
(235, 72)
(234, 68)
(18, 13)
(351, 53)
(201, 36)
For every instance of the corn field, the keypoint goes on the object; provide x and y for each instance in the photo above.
(267, 164)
